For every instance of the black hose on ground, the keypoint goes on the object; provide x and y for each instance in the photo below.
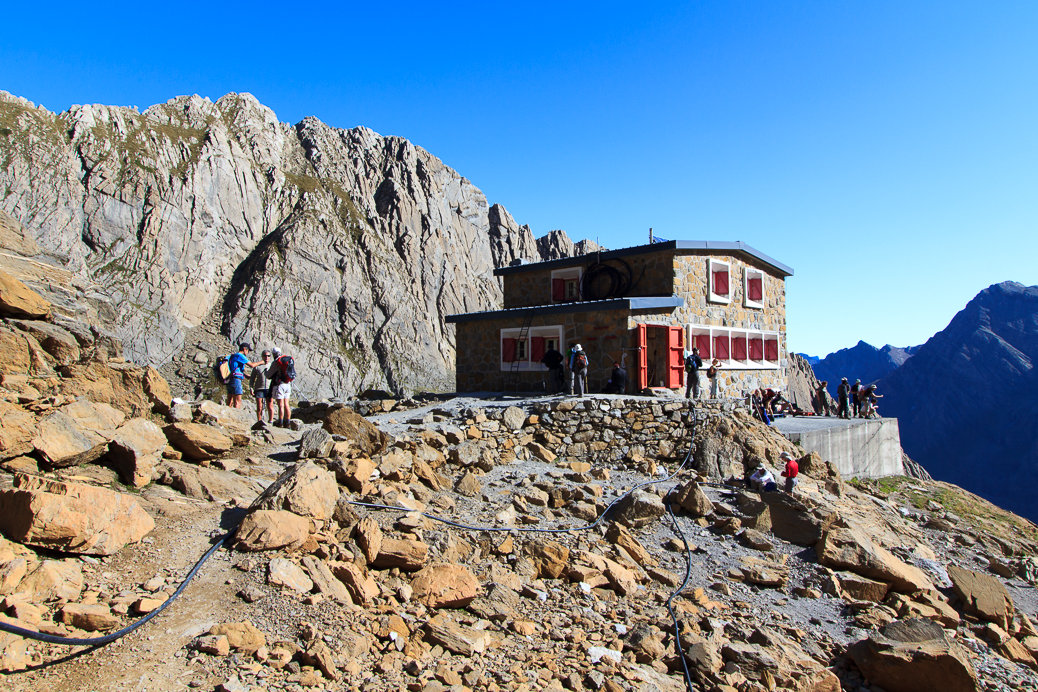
(109, 638)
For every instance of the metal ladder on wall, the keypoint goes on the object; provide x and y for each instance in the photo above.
(524, 332)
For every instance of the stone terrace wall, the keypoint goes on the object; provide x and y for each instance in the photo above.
(597, 431)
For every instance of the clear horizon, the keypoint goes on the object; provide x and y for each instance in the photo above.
(886, 152)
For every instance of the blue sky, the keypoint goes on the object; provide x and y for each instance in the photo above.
(887, 151)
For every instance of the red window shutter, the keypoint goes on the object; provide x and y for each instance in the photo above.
(756, 349)
(538, 349)
(721, 347)
(675, 356)
(703, 344)
(508, 350)
(771, 349)
(643, 357)
(739, 348)
(756, 289)
(721, 282)
(558, 289)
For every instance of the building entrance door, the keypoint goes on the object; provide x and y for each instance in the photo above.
(661, 358)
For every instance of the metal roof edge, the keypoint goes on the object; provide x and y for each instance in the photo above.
(709, 245)
(643, 303)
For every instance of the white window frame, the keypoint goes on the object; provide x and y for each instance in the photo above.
(553, 331)
(711, 295)
(569, 274)
(693, 329)
(747, 274)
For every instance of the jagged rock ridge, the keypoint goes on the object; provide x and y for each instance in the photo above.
(345, 247)
(862, 361)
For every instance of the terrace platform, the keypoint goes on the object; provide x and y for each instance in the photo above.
(858, 448)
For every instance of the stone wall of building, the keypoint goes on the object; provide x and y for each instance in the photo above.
(691, 283)
(651, 274)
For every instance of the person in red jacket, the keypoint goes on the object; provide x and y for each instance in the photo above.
(791, 472)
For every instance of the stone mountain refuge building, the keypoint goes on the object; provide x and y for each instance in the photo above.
(641, 306)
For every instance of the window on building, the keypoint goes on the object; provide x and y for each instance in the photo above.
(529, 350)
(753, 288)
(720, 286)
(565, 285)
(737, 349)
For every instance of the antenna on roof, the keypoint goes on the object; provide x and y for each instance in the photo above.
(650, 235)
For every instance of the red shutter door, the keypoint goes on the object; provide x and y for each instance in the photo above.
(721, 282)
(675, 356)
(721, 347)
(739, 347)
(558, 289)
(757, 348)
(703, 343)
(538, 349)
(643, 358)
(508, 350)
(771, 349)
(756, 289)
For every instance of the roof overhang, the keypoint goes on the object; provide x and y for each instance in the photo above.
(661, 303)
(703, 246)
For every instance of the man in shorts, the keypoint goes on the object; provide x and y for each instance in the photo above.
(237, 364)
(260, 383)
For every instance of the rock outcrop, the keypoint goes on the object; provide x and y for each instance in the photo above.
(345, 248)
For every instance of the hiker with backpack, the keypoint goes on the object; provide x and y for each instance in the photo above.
(843, 395)
(236, 364)
(282, 372)
(692, 364)
(260, 383)
(578, 365)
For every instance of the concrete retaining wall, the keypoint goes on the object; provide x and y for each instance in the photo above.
(858, 448)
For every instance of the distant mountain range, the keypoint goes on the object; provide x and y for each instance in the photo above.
(965, 400)
(862, 361)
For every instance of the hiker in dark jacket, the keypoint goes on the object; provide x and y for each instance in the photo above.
(552, 360)
(692, 365)
(856, 390)
(578, 366)
(617, 380)
(843, 394)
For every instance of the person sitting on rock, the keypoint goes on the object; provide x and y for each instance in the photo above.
(791, 471)
(762, 480)
(870, 401)
(757, 404)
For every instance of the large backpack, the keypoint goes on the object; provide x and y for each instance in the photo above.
(222, 370)
(579, 361)
(286, 369)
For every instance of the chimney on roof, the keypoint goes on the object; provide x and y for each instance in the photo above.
(650, 235)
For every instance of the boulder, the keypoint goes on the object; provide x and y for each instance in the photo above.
(226, 417)
(367, 439)
(267, 529)
(282, 572)
(52, 580)
(91, 618)
(14, 653)
(796, 520)
(915, 654)
(325, 580)
(356, 580)
(18, 300)
(242, 636)
(513, 418)
(58, 342)
(445, 586)
(198, 442)
(71, 516)
(549, 557)
(61, 442)
(207, 483)
(134, 390)
(406, 554)
(982, 596)
(852, 549)
(691, 498)
(862, 588)
(305, 489)
(135, 449)
(456, 638)
(316, 443)
(639, 509)
(17, 430)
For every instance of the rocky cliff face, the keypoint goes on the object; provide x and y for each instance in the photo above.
(965, 401)
(344, 247)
